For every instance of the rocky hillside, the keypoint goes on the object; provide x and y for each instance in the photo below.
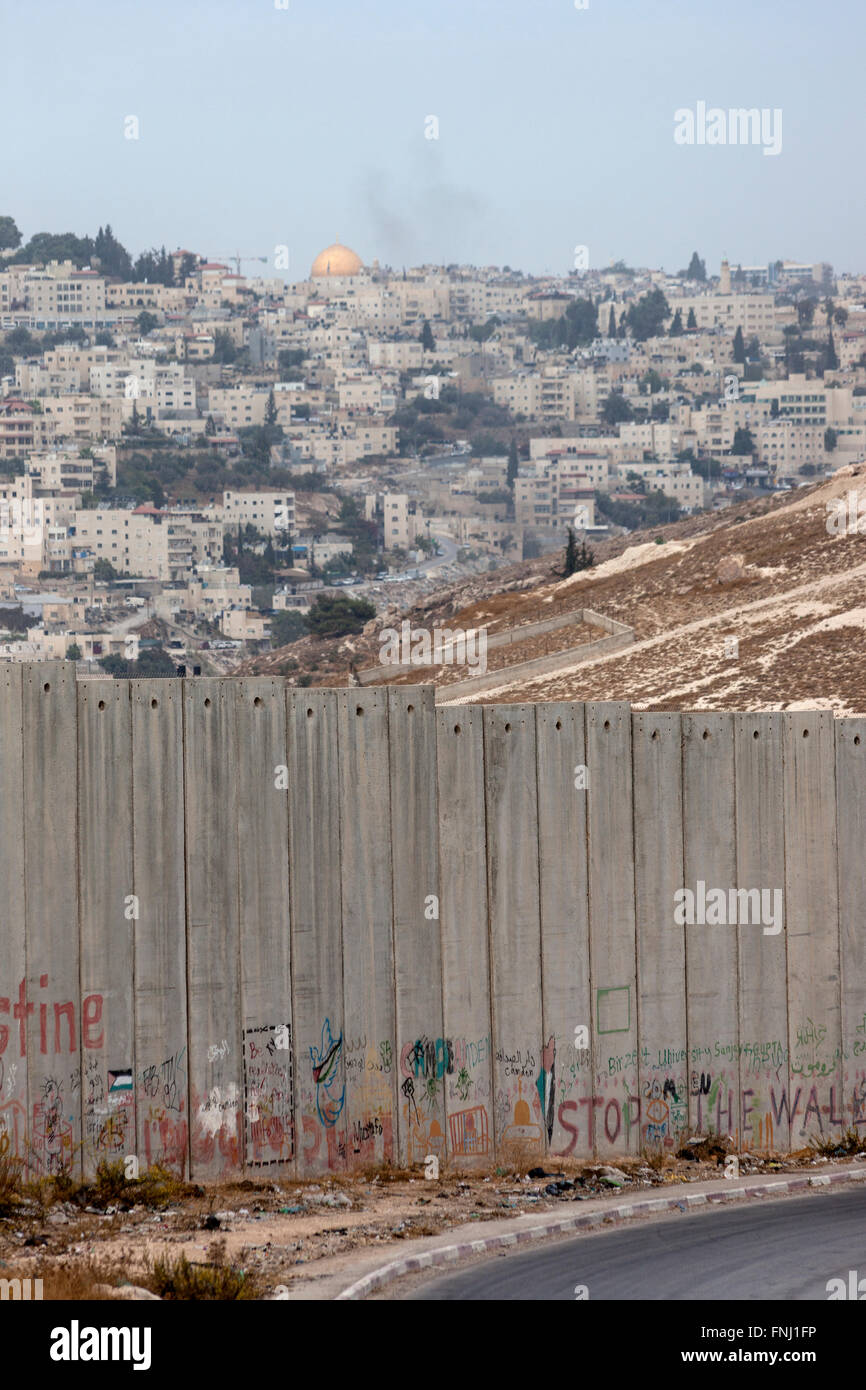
(760, 607)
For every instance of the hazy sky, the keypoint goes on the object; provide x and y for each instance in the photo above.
(262, 127)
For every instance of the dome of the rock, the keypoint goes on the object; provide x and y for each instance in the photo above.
(336, 260)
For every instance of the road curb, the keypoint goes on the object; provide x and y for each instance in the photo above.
(447, 1254)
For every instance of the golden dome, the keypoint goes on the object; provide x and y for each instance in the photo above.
(336, 260)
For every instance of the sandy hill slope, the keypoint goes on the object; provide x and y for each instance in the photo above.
(761, 607)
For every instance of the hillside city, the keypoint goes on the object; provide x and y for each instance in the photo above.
(201, 465)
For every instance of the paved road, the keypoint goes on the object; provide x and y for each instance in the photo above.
(786, 1249)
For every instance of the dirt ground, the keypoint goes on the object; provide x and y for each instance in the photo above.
(92, 1241)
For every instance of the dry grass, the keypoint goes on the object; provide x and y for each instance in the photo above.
(10, 1184)
(80, 1278)
(845, 1144)
(182, 1280)
(157, 1188)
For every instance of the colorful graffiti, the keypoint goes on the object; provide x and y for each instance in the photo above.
(269, 1102)
(327, 1074)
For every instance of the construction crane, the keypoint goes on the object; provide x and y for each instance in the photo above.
(237, 258)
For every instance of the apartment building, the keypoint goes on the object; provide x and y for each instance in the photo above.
(401, 520)
(34, 527)
(69, 469)
(754, 313)
(24, 428)
(360, 393)
(215, 589)
(154, 544)
(271, 512)
(403, 356)
(86, 417)
(61, 292)
(586, 458)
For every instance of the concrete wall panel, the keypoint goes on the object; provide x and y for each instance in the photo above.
(317, 941)
(213, 937)
(710, 869)
(15, 1119)
(661, 942)
(523, 1061)
(763, 1054)
(812, 927)
(616, 1101)
(265, 940)
(564, 914)
(372, 1057)
(465, 951)
(851, 830)
(109, 916)
(49, 1008)
(426, 1054)
(159, 884)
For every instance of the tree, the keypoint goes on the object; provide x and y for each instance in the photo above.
(616, 409)
(646, 317)
(10, 237)
(271, 409)
(146, 322)
(676, 327)
(577, 557)
(578, 325)
(287, 626)
(104, 339)
(513, 463)
(739, 346)
(697, 269)
(153, 661)
(104, 569)
(339, 616)
(50, 246)
(21, 341)
(224, 349)
(287, 358)
(210, 428)
(113, 258)
(611, 324)
(806, 312)
(428, 342)
(73, 652)
(691, 321)
(653, 380)
(482, 331)
(743, 442)
(831, 360)
(830, 439)
(15, 619)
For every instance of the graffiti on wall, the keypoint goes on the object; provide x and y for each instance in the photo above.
(424, 1065)
(269, 1127)
(369, 1100)
(162, 1112)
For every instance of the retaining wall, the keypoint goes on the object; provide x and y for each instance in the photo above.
(272, 930)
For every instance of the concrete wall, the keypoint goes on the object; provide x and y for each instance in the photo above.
(256, 929)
